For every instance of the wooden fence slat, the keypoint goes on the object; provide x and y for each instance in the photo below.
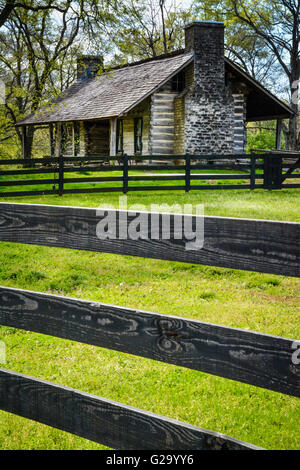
(104, 421)
(292, 176)
(158, 188)
(100, 168)
(119, 158)
(35, 171)
(98, 189)
(111, 189)
(219, 186)
(290, 186)
(222, 166)
(245, 356)
(28, 161)
(254, 245)
(193, 176)
(292, 167)
(105, 158)
(93, 179)
(27, 182)
(169, 177)
(28, 193)
(220, 176)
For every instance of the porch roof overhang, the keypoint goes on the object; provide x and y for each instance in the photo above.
(262, 105)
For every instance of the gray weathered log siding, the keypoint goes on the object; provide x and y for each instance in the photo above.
(162, 122)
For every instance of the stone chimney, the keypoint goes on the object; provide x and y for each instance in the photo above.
(209, 104)
(88, 66)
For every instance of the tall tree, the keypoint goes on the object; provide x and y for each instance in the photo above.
(149, 28)
(162, 6)
(31, 57)
(242, 45)
(277, 24)
(7, 7)
(37, 50)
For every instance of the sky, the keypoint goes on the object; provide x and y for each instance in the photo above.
(183, 3)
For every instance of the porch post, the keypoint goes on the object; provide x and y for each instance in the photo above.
(51, 140)
(73, 139)
(24, 142)
(113, 137)
(278, 133)
(57, 141)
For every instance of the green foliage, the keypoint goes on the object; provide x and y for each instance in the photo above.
(242, 44)
(140, 31)
(37, 50)
(260, 137)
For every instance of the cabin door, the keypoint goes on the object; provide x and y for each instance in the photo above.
(98, 138)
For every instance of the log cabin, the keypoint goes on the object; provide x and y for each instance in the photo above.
(191, 101)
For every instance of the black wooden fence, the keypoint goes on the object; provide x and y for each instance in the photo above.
(268, 171)
(250, 357)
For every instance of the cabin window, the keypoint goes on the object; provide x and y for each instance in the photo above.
(178, 82)
(76, 138)
(138, 135)
(119, 142)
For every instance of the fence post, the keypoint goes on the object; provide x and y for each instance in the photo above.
(267, 172)
(277, 171)
(252, 172)
(125, 173)
(272, 171)
(61, 175)
(187, 173)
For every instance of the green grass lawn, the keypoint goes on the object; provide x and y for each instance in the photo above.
(259, 302)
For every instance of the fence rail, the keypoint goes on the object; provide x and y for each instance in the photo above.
(268, 171)
(104, 421)
(260, 245)
(245, 356)
(227, 352)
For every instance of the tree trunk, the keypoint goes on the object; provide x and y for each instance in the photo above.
(292, 134)
(6, 11)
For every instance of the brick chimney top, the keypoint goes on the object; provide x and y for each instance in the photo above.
(88, 66)
(206, 39)
(205, 24)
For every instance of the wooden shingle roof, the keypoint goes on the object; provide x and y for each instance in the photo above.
(112, 93)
